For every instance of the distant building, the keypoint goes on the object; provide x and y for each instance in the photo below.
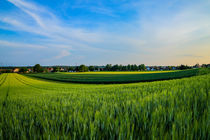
(16, 70)
(29, 70)
(148, 68)
(50, 69)
(152, 69)
(62, 69)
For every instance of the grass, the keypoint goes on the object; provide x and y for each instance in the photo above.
(36, 109)
(114, 77)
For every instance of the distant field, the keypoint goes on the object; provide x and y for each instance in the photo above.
(114, 77)
(117, 72)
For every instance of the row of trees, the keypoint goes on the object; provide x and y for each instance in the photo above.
(109, 67)
(82, 68)
(36, 68)
(128, 67)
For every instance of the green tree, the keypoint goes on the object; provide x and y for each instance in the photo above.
(115, 68)
(108, 67)
(183, 67)
(83, 68)
(142, 67)
(45, 70)
(91, 68)
(135, 67)
(120, 67)
(37, 68)
(71, 68)
(56, 69)
(129, 67)
(124, 68)
(169, 67)
(23, 70)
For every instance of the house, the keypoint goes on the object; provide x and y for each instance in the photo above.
(173, 68)
(16, 70)
(50, 69)
(62, 69)
(153, 69)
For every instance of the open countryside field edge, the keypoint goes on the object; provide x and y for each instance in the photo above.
(120, 77)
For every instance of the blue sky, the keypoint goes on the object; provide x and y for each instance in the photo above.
(70, 32)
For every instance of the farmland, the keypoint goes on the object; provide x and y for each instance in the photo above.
(32, 108)
(114, 77)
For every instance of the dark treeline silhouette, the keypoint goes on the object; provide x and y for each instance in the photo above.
(82, 68)
(128, 67)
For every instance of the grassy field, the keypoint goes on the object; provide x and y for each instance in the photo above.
(171, 109)
(115, 77)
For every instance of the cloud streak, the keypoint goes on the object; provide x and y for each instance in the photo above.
(47, 25)
(62, 54)
(19, 45)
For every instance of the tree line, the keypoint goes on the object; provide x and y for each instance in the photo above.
(128, 67)
(109, 67)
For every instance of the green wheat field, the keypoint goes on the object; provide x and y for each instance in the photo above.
(72, 106)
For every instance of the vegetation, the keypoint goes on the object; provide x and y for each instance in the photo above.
(129, 67)
(5, 71)
(38, 69)
(109, 67)
(115, 77)
(184, 67)
(83, 68)
(56, 69)
(23, 70)
(36, 109)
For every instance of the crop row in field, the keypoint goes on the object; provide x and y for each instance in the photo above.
(127, 77)
(35, 109)
(118, 72)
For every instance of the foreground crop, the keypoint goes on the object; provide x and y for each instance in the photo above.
(34, 109)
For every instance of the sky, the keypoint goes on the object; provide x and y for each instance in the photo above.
(100, 32)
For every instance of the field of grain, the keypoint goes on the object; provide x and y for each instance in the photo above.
(170, 109)
(118, 72)
(115, 77)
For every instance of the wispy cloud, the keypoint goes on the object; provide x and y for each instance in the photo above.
(19, 45)
(47, 25)
(96, 9)
(62, 54)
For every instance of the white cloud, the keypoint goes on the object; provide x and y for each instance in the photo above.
(48, 25)
(62, 54)
(4, 43)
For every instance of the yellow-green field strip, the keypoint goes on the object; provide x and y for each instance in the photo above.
(114, 77)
